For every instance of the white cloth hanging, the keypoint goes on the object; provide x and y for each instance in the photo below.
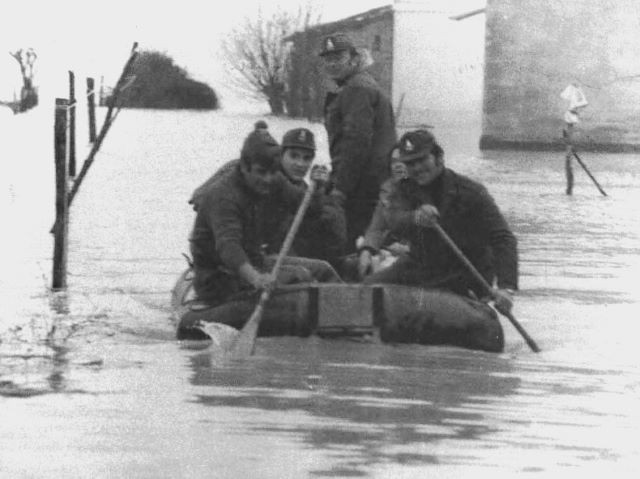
(577, 99)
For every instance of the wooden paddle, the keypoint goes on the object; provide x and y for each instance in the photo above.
(244, 344)
(584, 167)
(532, 344)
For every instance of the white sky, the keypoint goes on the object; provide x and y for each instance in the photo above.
(93, 38)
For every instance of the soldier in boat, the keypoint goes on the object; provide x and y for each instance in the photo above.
(464, 209)
(360, 126)
(201, 191)
(321, 237)
(380, 247)
(229, 233)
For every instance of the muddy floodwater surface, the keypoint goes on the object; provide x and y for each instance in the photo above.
(93, 383)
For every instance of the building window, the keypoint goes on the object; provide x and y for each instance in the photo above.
(377, 43)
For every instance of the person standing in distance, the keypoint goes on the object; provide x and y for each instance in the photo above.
(360, 126)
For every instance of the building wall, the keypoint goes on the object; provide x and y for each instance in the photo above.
(306, 87)
(535, 48)
(438, 63)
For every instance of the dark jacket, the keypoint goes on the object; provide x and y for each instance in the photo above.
(361, 129)
(231, 224)
(320, 236)
(470, 216)
(201, 191)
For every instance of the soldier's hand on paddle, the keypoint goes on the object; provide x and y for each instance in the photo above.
(503, 300)
(255, 278)
(263, 281)
(319, 174)
(426, 216)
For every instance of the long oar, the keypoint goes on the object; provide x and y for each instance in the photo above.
(244, 344)
(584, 167)
(532, 344)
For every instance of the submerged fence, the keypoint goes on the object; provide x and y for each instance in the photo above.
(67, 183)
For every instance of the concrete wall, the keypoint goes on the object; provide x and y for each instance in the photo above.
(535, 48)
(438, 62)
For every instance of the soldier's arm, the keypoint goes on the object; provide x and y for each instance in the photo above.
(502, 240)
(225, 218)
(377, 230)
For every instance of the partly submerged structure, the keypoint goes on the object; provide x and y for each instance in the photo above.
(535, 48)
(496, 64)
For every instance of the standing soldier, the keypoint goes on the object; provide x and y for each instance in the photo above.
(361, 129)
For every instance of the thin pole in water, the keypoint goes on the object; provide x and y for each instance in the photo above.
(568, 157)
(584, 167)
(62, 190)
(72, 124)
(91, 105)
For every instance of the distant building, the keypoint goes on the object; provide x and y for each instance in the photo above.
(428, 58)
(535, 48)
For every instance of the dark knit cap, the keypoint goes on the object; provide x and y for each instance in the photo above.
(260, 147)
(299, 138)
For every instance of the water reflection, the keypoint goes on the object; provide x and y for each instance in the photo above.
(59, 366)
(368, 407)
(369, 404)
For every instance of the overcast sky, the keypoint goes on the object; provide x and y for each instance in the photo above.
(94, 38)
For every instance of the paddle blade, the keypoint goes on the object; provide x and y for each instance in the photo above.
(529, 340)
(222, 336)
(245, 342)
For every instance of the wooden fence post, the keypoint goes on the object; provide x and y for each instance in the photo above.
(62, 212)
(91, 104)
(72, 124)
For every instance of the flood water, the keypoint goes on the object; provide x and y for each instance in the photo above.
(93, 383)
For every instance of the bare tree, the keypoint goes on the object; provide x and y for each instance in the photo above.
(26, 59)
(258, 58)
